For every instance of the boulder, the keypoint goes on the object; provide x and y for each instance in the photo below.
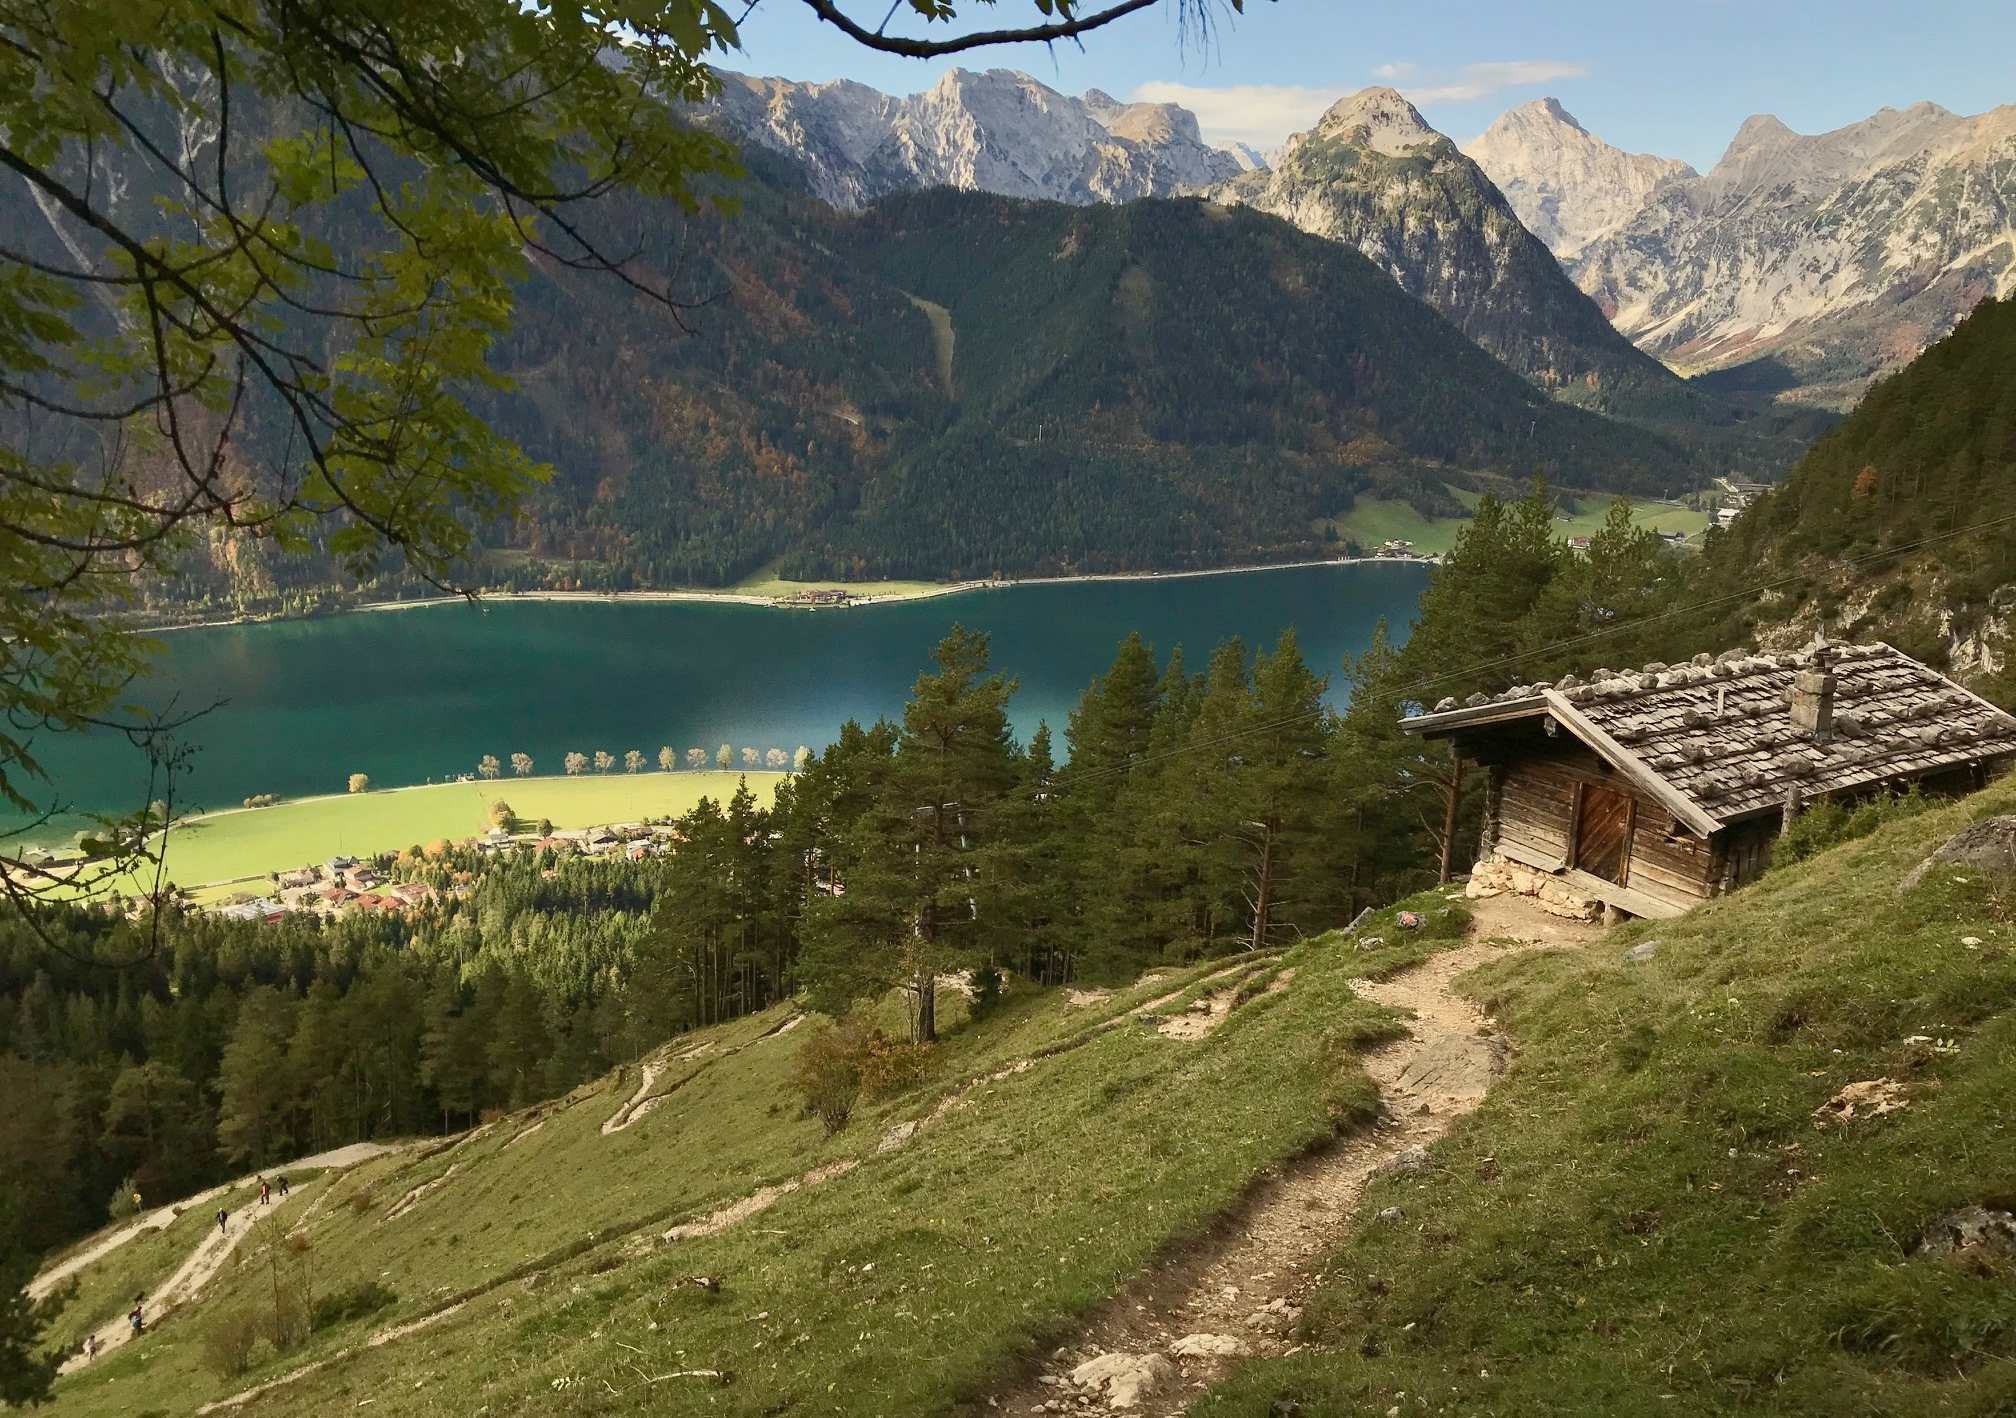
(1123, 1380)
(1972, 1230)
(1869, 1098)
(1208, 1346)
(1275, 1317)
(897, 1136)
(1641, 952)
(1988, 845)
(1410, 1163)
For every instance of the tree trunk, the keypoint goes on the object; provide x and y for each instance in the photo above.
(1263, 893)
(927, 1009)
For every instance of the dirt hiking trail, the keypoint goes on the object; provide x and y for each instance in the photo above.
(163, 1217)
(202, 1263)
(1181, 1325)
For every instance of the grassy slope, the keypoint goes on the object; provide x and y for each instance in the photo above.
(1373, 520)
(1644, 1217)
(916, 1276)
(234, 844)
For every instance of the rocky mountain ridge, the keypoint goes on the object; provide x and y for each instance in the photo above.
(997, 131)
(1567, 185)
(1812, 264)
(1372, 174)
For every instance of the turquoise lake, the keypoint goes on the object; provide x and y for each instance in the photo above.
(421, 694)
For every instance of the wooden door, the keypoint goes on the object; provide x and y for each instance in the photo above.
(1603, 832)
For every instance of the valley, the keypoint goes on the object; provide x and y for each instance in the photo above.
(1177, 708)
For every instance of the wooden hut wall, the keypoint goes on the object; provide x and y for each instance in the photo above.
(1534, 808)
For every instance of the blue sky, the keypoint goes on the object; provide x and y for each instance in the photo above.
(1673, 78)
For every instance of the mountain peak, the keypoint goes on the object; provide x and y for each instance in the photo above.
(1392, 125)
(1550, 108)
(1567, 185)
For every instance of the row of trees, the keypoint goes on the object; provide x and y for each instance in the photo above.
(634, 761)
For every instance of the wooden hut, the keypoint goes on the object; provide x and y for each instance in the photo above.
(1651, 790)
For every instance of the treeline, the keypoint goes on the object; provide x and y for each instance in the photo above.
(161, 1060)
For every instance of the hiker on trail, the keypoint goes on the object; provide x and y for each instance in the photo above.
(222, 1217)
(136, 1203)
(283, 1184)
(90, 1347)
(265, 1191)
(136, 1318)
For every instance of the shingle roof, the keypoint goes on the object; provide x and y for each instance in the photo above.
(1719, 731)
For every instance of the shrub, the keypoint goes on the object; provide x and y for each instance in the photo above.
(286, 1323)
(889, 1066)
(1829, 823)
(228, 1342)
(827, 1071)
(354, 1302)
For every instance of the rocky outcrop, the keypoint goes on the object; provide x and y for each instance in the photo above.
(1567, 185)
(1818, 261)
(1988, 845)
(1373, 175)
(1122, 1380)
(1972, 1231)
(998, 131)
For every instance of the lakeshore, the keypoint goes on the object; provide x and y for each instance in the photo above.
(892, 593)
(305, 702)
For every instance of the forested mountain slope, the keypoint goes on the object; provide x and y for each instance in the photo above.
(1929, 452)
(1166, 382)
(1155, 385)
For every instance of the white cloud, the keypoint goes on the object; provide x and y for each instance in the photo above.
(1262, 116)
(1482, 80)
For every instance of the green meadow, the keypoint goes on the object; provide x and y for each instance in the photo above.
(1373, 520)
(225, 846)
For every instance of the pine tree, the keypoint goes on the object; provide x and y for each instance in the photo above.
(253, 1086)
(912, 903)
(1281, 796)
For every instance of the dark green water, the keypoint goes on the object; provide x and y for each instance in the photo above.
(422, 694)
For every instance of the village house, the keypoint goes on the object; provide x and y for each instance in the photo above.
(1647, 792)
(263, 909)
(299, 877)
